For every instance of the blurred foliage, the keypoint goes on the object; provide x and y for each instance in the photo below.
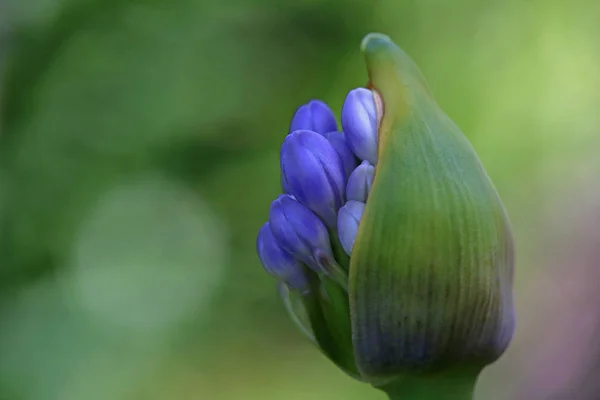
(139, 154)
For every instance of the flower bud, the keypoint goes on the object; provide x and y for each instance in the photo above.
(314, 116)
(348, 220)
(300, 232)
(427, 289)
(359, 183)
(339, 143)
(314, 173)
(359, 122)
(278, 262)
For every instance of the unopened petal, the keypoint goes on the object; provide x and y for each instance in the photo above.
(348, 221)
(360, 182)
(299, 231)
(314, 173)
(279, 262)
(340, 144)
(359, 122)
(314, 116)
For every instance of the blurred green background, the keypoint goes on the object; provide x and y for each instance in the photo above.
(139, 154)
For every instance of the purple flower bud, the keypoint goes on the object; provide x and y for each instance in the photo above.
(339, 143)
(314, 173)
(347, 224)
(314, 116)
(359, 183)
(278, 262)
(299, 231)
(359, 122)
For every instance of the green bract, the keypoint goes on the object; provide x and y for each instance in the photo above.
(432, 267)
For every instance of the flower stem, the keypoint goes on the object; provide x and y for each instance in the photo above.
(451, 385)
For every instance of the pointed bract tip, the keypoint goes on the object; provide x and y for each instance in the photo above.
(374, 40)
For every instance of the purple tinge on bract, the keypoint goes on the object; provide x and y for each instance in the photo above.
(299, 231)
(314, 116)
(359, 123)
(314, 173)
(360, 181)
(340, 144)
(348, 222)
(279, 262)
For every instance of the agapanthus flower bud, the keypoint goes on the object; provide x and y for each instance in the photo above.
(314, 116)
(360, 181)
(340, 144)
(279, 262)
(359, 123)
(427, 287)
(314, 173)
(348, 221)
(299, 232)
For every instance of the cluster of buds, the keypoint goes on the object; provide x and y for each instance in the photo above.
(325, 188)
(392, 249)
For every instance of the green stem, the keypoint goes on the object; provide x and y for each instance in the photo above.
(329, 316)
(338, 252)
(452, 385)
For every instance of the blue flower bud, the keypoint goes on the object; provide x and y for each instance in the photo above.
(278, 262)
(339, 143)
(314, 116)
(360, 181)
(347, 224)
(359, 122)
(300, 232)
(314, 173)
(419, 299)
